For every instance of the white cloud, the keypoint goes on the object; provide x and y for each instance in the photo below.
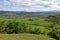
(30, 5)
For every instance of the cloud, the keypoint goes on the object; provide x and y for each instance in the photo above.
(30, 5)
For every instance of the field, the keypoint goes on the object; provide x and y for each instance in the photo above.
(24, 37)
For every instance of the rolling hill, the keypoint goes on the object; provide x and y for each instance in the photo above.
(17, 14)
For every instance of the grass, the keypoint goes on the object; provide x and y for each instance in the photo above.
(24, 37)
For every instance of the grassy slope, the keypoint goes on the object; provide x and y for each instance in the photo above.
(24, 37)
(35, 22)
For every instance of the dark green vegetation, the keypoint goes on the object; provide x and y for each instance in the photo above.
(46, 25)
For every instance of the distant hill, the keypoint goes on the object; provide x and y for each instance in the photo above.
(17, 14)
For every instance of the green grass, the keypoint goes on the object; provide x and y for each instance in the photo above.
(24, 37)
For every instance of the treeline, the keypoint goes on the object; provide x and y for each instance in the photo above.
(46, 26)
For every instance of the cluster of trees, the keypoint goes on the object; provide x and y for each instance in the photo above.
(13, 26)
(46, 26)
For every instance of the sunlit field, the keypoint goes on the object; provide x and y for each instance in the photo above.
(24, 37)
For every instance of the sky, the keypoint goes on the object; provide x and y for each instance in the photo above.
(29, 5)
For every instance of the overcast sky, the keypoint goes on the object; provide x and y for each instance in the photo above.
(29, 5)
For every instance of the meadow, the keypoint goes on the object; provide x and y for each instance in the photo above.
(24, 37)
(35, 28)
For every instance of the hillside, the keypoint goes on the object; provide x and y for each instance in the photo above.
(29, 25)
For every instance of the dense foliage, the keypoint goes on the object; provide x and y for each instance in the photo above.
(43, 25)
